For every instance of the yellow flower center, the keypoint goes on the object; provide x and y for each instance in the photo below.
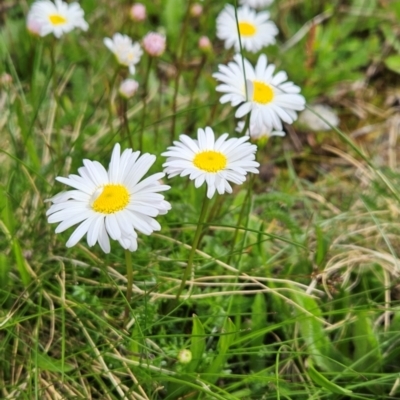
(262, 93)
(113, 198)
(247, 29)
(210, 161)
(57, 19)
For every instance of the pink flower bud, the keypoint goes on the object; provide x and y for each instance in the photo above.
(196, 10)
(128, 88)
(154, 44)
(33, 26)
(138, 12)
(205, 44)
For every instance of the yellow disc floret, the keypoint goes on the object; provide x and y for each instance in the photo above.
(113, 198)
(57, 19)
(247, 29)
(262, 93)
(210, 161)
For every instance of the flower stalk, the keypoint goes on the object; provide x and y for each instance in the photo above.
(195, 244)
(129, 276)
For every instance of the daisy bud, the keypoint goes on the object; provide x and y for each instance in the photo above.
(33, 26)
(154, 44)
(205, 44)
(196, 10)
(128, 88)
(138, 12)
(185, 356)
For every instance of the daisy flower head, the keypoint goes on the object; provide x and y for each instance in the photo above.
(257, 132)
(113, 203)
(255, 29)
(270, 98)
(57, 18)
(127, 53)
(216, 162)
(256, 3)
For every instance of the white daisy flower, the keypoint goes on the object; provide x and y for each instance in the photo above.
(126, 52)
(255, 29)
(216, 162)
(270, 98)
(256, 3)
(57, 18)
(258, 131)
(110, 203)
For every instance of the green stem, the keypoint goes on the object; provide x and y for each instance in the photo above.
(53, 57)
(193, 89)
(242, 212)
(146, 81)
(246, 124)
(110, 103)
(195, 244)
(179, 63)
(245, 207)
(129, 275)
(125, 122)
(158, 118)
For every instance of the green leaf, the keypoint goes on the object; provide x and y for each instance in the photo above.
(393, 63)
(5, 267)
(322, 245)
(21, 262)
(137, 344)
(172, 16)
(316, 338)
(227, 336)
(394, 6)
(225, 341)
(258, 322)
(367, 352)
(48, 363)
(198, 343)
(324, 383)
(8, 227)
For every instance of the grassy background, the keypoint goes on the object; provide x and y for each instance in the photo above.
(301, 303)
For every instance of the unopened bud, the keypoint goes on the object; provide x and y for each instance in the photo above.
(205, 44)
(128, 88)
(33, 25)
(138, 12)
(196, 10)
(154, 44)
(185, 356)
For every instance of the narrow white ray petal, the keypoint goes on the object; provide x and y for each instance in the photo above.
(80, 231)
(112, 227)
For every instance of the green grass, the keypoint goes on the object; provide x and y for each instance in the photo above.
(295, 288)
